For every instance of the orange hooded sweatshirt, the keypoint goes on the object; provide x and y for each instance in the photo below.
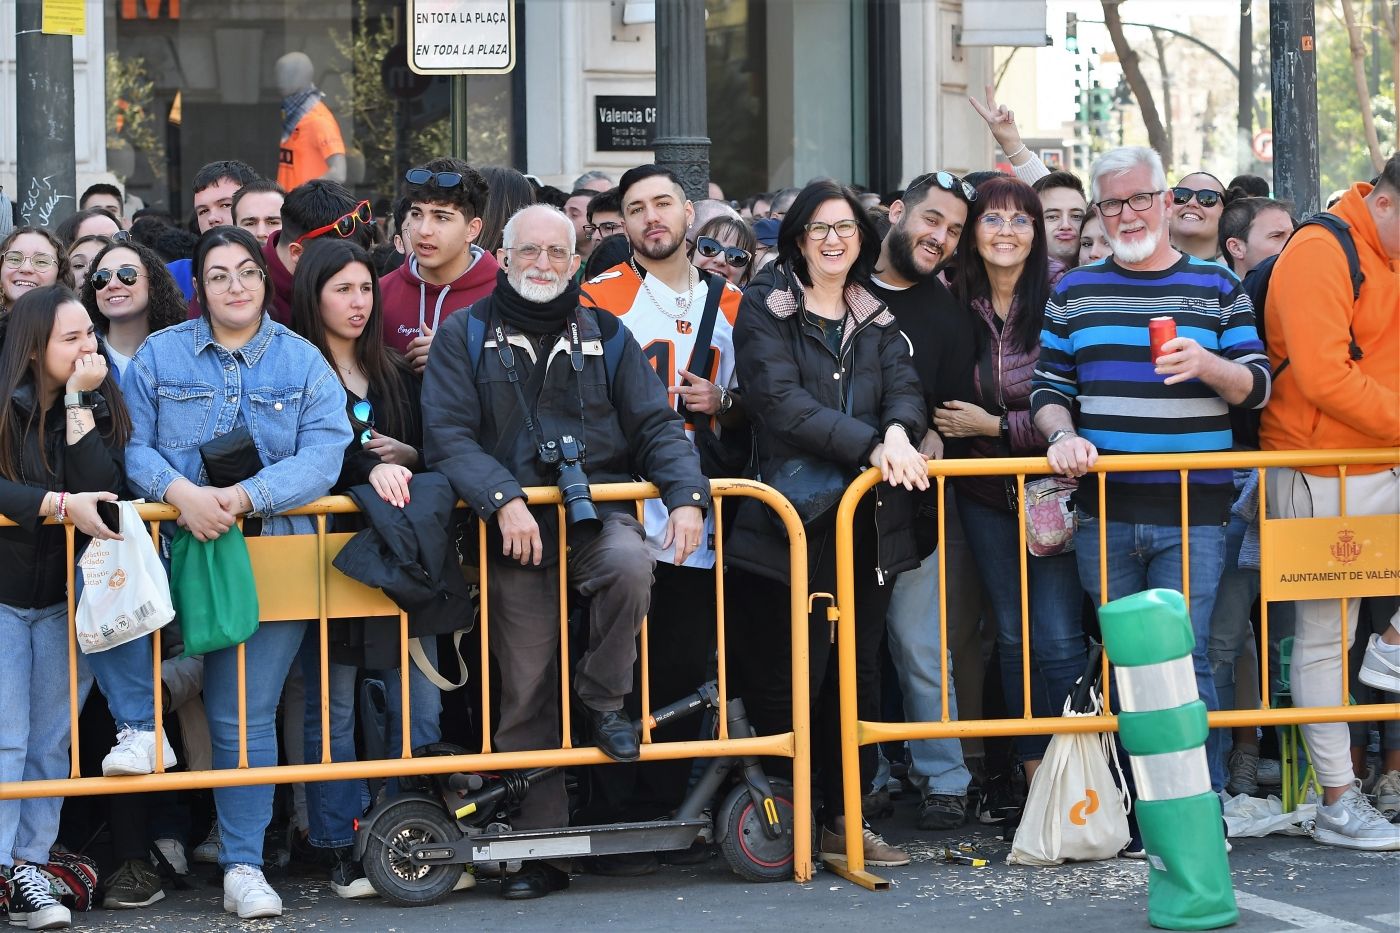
(1325, 400)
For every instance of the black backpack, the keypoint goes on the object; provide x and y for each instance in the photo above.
(1245, 422)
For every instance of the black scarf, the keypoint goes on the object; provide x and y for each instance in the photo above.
(530, 316)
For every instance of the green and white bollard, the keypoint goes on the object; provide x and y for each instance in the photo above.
(1163, 726)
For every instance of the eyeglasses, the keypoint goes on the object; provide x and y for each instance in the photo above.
(217, 283)
(845, 229)
(1206, 197)
(995, 223)
(710, 248)
(41, 262)
(948, 182)
(362, 413)
(127, 275)
(421, 176)
(530, 252)
(1141, 201)
(121, 236)
(344, 225)
(606, 228)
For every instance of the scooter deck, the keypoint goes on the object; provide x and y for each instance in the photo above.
(566, 842)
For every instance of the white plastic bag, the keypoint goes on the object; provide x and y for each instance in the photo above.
(1075, 811)
(126, 593)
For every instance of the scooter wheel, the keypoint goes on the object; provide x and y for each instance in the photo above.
(748, 849)
(388, 866)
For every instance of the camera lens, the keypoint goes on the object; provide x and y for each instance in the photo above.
(579, 510)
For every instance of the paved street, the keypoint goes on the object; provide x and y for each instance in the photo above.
(1284, 884)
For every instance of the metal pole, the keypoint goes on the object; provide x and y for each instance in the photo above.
(682, 143)
(1293, 77)
(47, 164)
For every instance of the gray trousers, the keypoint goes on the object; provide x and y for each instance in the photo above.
(615, 570)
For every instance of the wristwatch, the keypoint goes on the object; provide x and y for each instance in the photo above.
(80, 399)
(1058, 436)
(726, 401)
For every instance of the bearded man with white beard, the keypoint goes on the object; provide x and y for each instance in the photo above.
(1096, 358)
(519, 388)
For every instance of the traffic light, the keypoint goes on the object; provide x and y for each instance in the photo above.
(1100, 104)
(1072, 32)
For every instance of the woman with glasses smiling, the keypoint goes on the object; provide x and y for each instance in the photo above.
(1004, 278)
(1197, 202)
(32, 257)
(235, 374)
(129, 296)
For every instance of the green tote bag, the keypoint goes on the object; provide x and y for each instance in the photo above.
(211, 583)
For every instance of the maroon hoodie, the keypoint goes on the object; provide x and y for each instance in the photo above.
(409, 301)
(279, 278)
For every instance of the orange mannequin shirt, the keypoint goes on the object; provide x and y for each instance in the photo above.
(305, 154)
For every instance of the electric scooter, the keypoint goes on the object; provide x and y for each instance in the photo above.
(413, 846)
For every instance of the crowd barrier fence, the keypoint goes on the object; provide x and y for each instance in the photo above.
(1286, 545)
(296, 581)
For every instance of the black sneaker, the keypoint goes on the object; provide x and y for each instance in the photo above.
(942, 811)
(32, 902)
(348, 876)
(997, 803)
(134, 884)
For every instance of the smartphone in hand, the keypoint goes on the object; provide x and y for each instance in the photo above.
(111, 515)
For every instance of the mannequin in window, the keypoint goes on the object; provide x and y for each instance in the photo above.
(311, 144)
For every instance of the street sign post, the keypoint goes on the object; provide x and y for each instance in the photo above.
(461, 37)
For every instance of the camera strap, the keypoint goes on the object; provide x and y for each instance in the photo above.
(506, 353)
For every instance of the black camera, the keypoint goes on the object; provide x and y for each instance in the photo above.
(566, 456)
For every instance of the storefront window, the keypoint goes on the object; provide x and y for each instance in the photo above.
(736, 99)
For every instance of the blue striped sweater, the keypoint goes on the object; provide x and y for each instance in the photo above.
(1094, 360)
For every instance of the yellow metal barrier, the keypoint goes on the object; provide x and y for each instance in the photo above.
(296, 581)
(856, 732)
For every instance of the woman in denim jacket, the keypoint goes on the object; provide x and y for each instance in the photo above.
(234, 366)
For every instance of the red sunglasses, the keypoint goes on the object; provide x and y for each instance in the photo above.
(344, 226)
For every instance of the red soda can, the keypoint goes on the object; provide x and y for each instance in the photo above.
(1159, 331)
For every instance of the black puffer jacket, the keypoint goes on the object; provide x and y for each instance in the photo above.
(630, 427)
(795, 391)
(34, 555)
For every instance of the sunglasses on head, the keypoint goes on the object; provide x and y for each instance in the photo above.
(948, 182)
(344, 225)
(127, 275)
(362, 412)
(421, 176)
(710, 248)
(1205, 197)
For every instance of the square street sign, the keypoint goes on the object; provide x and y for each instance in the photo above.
(461, 37)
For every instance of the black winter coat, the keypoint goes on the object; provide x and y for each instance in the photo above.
(34, 555)
(795, 392)
(630, 428)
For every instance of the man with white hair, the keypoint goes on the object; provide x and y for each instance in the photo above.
(1096, 358)
(528, 388)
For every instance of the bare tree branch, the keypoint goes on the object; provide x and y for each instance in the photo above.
(1142, 92)
(1363, 90)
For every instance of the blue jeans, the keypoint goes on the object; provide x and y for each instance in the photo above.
(333, 806)
(34, 725)
(915, 649)
(244, 812)
(1056, 627)
(1143, 557)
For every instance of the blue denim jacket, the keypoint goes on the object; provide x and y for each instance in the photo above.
(183, 390)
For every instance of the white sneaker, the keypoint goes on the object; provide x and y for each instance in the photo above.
(247, 893)
(1352, 823)
(135, 753)
(1381, 667)
(173, 851)
(1270, 772)
(1388, 793)
(208, 850)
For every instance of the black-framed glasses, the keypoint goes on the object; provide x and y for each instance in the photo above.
(606, 228)
(948, 182)
(421, 176)
(1206, 197)
(1112, 207)
(710, 248)
(362, 413)
(344, 225)
(127, 275)
(217, 283)
(845, 229)
(530, 252)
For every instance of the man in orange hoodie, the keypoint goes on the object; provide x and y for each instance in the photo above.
(1330, 396)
